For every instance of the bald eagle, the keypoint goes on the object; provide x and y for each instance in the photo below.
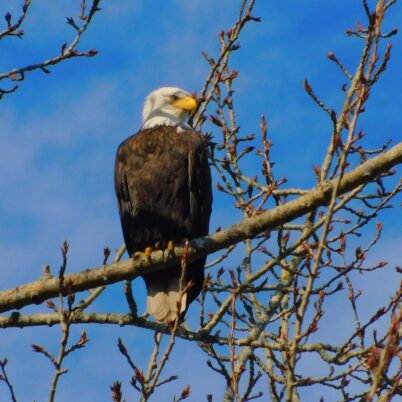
(163, 188)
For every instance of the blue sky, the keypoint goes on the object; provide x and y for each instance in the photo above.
(59, 133)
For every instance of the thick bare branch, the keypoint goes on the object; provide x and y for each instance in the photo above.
(48, 287)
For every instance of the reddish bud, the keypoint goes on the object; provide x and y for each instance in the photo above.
(373, 358)
(359, 253)
(232, 75)
(138, 375)
(83, 339)
(219, 187)
(321, 294)
(343, 242)
(116, 391)
(317, 172)
(186, 392)
(215, 121)
(233, 277)
(51, 305)
(331, 56)
(360, 27)
(307, 87)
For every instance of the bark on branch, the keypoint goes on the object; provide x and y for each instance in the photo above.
(48, 286)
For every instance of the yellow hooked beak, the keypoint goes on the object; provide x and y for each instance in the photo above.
(187, 103)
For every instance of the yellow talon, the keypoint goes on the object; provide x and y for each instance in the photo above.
(148, 251)
(286, 275)
(170, 246)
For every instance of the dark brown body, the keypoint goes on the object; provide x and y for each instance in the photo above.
(163, 188)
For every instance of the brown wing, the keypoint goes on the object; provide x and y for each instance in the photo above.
(163, 187)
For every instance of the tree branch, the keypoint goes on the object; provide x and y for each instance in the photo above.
(68, 51)
(48, 286)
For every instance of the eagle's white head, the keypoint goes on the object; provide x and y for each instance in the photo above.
(168, 106)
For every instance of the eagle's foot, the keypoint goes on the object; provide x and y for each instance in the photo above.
(148, 251)
(170, 248)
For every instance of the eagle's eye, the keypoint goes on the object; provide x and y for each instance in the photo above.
(174, 98)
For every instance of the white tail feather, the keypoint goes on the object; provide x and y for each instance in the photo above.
(162, 299)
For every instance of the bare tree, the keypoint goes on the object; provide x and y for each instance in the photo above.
(261, 318)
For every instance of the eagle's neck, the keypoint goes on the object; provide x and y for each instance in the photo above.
(166, 120)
